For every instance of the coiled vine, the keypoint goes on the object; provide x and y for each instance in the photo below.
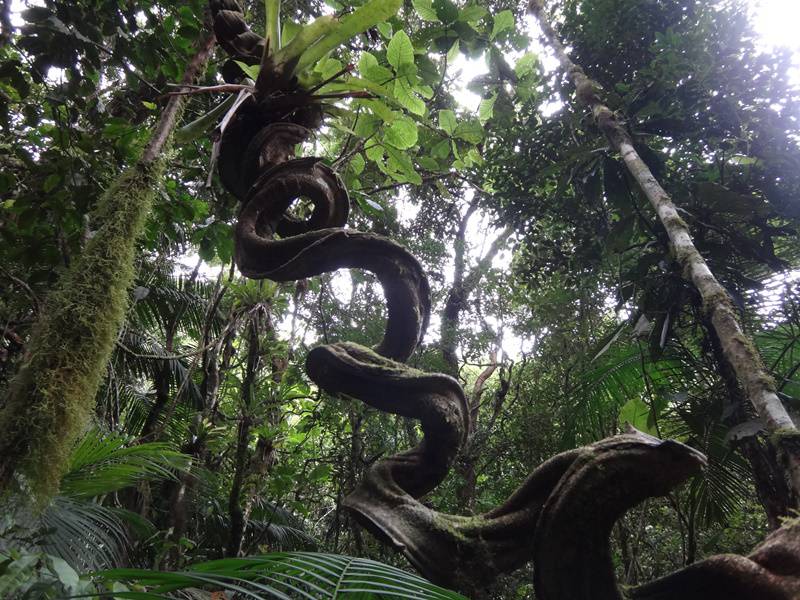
(562, 514)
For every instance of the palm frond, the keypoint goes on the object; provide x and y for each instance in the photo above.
(141, 356)
(104, 463)
(168, 300)
(87, 535)
(307, 575)
(272, 524)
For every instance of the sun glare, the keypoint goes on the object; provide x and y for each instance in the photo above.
(775, 21)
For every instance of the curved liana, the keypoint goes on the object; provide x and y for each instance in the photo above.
(562, 515)
(770, 572)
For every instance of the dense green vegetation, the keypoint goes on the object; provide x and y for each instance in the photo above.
(556, 300)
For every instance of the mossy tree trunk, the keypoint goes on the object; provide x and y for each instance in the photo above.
(738, 350)
(52, 396)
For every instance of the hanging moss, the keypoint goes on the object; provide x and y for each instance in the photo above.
(52, 396)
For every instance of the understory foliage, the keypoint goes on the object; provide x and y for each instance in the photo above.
(556, 301)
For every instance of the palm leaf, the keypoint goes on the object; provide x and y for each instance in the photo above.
(284, 575)
(87, 535)
(140, 356)
(101, 464)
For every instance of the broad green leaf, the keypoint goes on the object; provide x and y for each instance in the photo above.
(400, 162)
(526, 64)
(405, 96)
(470, 131)
(426, 162)
(328, 67)
(366, 61)
(368, 66)
(364, 17)
(366, 125)
(400, 51)
(425, 91)
(486, 109)
(452, 54)
(250, 70)
(441, 149)
(357, 164)
(425, 10)
(636, 412)
(385, 29)
(402, 134)
(381, 110)
(447, 120)
(446, 10)
(290, 29)
(51, 182)
(375, 153)
(474, 156)
(320, 472)
(502, 21)
(198, 127)
(66, 574)
(304, 39)
(471, 14)
(408, 71)
(454, 148)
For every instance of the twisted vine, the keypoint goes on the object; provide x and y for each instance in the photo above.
(561, 516)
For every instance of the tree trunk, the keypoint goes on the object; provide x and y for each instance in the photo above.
(52, 396)
(6, 29)
(242, 456)
(738, 349)
(771, 489)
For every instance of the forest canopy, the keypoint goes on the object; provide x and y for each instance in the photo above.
(398, 298)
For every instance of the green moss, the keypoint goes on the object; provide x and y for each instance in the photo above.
(465, 529)
(684, 257)
(786, 437)
(721, 299)
(675, 222)
(52, 397)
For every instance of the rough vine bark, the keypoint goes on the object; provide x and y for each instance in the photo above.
(738, 349)
(562, 514)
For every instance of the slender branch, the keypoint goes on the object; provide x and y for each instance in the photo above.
(231, 88)
(335, 76)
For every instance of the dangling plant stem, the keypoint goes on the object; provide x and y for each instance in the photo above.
(52, 396)
(737, 348)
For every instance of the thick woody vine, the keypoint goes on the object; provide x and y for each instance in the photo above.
(561, 516)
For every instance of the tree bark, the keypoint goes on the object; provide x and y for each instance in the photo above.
(52, 396)
(771, 488)
(457, 297)
(738, 349)
(462, 288)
